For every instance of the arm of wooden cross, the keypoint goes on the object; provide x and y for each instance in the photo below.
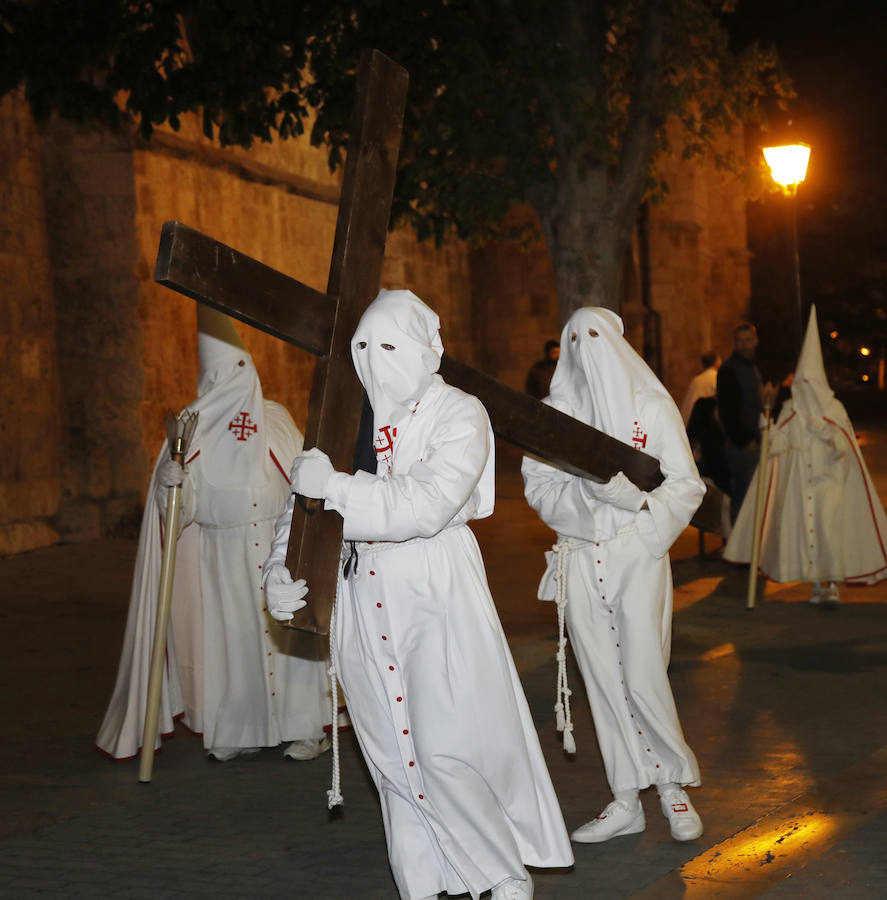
(212, 273)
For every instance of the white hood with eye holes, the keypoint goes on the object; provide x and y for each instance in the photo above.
(396, 350)
(600, 378)
(231, 432)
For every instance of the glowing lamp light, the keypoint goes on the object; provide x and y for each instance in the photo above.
(833, 334)
(864, 351)
(788, 164)
(865, 378)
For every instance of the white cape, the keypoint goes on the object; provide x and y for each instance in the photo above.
(822, 517)
(823, 520)
(232, 674)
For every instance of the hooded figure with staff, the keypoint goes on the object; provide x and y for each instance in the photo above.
(232, 674)
(820, 518)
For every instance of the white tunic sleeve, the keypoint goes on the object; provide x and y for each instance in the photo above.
(280, 541)
(434, 489)
(672, 504)
(563, 501)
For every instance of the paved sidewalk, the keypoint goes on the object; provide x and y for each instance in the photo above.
(783, 706)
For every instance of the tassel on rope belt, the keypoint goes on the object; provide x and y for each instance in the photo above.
(563, 716)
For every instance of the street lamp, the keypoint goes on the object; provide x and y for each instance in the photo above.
(788, 167)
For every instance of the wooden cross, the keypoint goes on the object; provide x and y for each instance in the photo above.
(323, 323)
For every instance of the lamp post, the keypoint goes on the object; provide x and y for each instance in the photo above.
(788, 167)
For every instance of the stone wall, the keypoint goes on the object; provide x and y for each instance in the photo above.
(89, 195)
(29, 429)
(516, 303)
(699, 265)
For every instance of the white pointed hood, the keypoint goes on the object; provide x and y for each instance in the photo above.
(811, 395)
(396, 350)
(598, 378)
(231, 431)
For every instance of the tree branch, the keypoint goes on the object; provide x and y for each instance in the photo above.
(644, 119)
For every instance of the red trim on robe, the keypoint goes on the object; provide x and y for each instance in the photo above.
(279, 466)
(867, 491)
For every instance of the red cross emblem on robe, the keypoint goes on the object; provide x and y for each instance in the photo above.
(242, 427)
(384, 444)
(639, 437)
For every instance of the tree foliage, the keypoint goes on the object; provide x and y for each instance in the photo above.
(562, 104)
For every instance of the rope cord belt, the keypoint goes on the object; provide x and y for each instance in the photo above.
(563, 716)
(334, 794)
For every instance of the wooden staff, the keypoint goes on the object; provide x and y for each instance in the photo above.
(179, 430)
(759, 512)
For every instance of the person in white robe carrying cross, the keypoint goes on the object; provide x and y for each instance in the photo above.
(233, 675)
(611, 576)
(431, 687)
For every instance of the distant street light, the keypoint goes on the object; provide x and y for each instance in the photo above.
(788, 167)
(865, 351)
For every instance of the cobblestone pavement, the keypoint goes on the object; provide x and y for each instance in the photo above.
(783, 706)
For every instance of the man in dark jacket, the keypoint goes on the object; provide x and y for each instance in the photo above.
(740, 406)
(539, 376)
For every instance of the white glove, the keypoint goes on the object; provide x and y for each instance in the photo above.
(283, 596)
(618, 491)
(310, 473)
(170, 473)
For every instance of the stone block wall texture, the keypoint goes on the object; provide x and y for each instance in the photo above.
(89, 196)
(699, 264)
(516, 303)
(29, 428)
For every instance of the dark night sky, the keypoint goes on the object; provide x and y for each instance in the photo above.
(835, 54)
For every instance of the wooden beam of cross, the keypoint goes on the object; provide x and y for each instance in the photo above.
(323, 323)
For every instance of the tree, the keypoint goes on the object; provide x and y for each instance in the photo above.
(563, 105)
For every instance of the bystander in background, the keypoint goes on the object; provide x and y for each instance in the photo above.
(539, 376)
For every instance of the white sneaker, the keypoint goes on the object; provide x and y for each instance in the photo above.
(817, 595)
(832, 597)
(683, 820)
(308, 749)
(616, 820)
(514, 889)
(223, 754)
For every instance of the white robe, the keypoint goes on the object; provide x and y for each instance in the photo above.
(431, 688)
(232, 673)
(619, 592)
(823, 520)
(703, 385)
